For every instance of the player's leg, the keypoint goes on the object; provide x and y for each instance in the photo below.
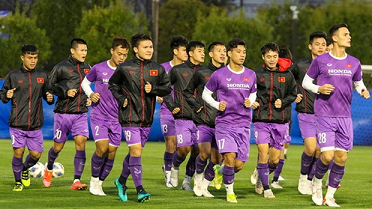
(194, 152)
(201, 162)
(169, 133)
(18, 143)
(279, 168)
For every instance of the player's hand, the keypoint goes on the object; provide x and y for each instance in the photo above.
(198, 111)
(365, 94)
(326, 89)
(255, 105)
(299, 98)
(148, 87)
(10, 93)
(222, 106)
(125, 103)
(89, 102)
(49, 97)
(159, 100)
(176, 110)
(94, 97)
(278, 103)
(71, 92)
(247, 102)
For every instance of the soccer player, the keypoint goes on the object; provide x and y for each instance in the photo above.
(104, 114)
(276, 90)
(178, 45)
(135, 85)
(180, 77)
(204, 119)
(25, 87)
(286, 56)
(70, 112)
(235, 86)
(305, 109)
(335, 72)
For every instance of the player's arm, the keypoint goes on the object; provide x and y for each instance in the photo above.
(189, 93)
(292, 91)
(47, 92)
(4, 92)
(58, 87)
(114, 85)
(163, 87)
(207, 97)
(361, 89)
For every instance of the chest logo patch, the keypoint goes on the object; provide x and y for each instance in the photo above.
(154, 72)
(86, 71)
(281, 79)
(40, 80)
(185, 74)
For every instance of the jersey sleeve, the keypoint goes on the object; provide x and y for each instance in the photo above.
(313, 71)
(92, 75)
(212, 84)
(358, 74)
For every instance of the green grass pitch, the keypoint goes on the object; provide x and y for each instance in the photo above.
(355, 192)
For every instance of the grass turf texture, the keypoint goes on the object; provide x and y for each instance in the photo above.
(354, 193)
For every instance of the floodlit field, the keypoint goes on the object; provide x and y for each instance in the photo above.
(355, 192)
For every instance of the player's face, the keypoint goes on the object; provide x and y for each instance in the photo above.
(218, 54)
(80, 52)
(119, 55)
(271, 59)
(197, 55)
(329, 48)
(181, 53)
(29, 61)
(144, 50)
(318, 47)
(342, 37)
(237, 55)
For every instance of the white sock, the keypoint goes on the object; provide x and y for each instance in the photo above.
(229, 188)
(331, 192)
(317, 182)
(199, 176)
(205, 184)
(168, 174)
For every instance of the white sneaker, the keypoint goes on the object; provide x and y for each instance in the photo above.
(206, 193)
(281, 178)
(93, 185)
(259, 187)
(197, 188)
(269, 194)
(100, 190)
(174, 176)
(254, 176)
(305, 186)
(331, 202)
(186, 186)
(165, 176)
(276, 185)
(317, 195)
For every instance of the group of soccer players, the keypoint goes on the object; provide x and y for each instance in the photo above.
(206, 111)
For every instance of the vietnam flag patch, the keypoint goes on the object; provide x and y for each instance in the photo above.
(40, 80)
(281, 79)
(246, 79)
(86, 71)
(154, 72)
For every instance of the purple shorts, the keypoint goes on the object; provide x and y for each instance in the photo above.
(106, 130)
(136, 135)
(77, 124)
(307, 123)
(186, 133)
(287, 136)
(334, 133)
(206, 134)
(32, 139)
(273, 134)
(167, 125)
(234, 140)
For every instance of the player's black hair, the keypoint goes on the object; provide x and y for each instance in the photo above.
(120, 41)
(138, 38)
(29, 49)
(213, 44)
(193, 45)
(74, 42)
(234, 44)
(178, 41)
(317, 34)
(269, 46)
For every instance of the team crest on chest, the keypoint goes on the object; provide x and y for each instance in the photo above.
(86, 71)
(40, 80)
(154, 72)
(281, 79)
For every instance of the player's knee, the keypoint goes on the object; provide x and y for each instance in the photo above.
(238, 167)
